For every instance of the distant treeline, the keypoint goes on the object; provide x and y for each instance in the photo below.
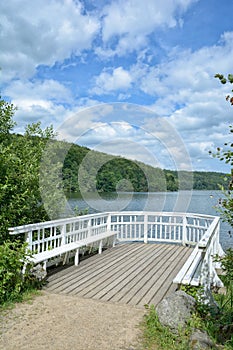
(89, 170)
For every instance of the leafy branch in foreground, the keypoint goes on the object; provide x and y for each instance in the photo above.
(226, 154)
(13, 256)
(20, 167)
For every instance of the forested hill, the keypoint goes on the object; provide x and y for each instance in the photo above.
(90, 170)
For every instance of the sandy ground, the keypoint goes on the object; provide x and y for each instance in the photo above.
(60, 322)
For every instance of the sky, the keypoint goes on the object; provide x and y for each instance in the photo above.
(128, 77)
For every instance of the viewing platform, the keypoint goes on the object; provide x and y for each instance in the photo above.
(149, 254)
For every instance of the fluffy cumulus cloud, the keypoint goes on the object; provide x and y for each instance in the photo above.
(42, 33)
(188, 97)
(186, 71)
(42, 90)
(38, 101)
(127, 24)
(118, 79)
(59, 58)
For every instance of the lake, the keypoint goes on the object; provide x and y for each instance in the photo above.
(202, 202)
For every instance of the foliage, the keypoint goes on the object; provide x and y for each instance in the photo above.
(219, 325)
(225, 80)
(118, 169)
(226, 154)
(98, 171)
(226, 301)
(80, 212)
(13, 256)
(156, 336)
(20, 188)
(6, 122)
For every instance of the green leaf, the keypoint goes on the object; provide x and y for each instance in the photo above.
(230, 78)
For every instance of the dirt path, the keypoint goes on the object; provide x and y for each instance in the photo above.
(60, 322)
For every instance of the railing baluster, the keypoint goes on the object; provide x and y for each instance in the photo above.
(184, 231)
(145, 228)
(148, 226)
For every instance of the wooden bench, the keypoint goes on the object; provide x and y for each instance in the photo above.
(73, 246)
(190, 272)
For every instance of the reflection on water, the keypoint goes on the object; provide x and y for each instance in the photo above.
(202, 202)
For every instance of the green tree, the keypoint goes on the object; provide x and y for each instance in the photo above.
(20, 163)
(6, 117)
(226, 154)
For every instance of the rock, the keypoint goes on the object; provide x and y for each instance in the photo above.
(175, 310)
(38, 272)
(200, 340)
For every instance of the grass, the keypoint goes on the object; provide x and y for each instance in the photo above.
(156, 336)
(26, 296)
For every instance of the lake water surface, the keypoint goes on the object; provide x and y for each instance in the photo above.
(202, 202)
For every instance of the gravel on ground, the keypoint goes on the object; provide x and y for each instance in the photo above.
(64, 322)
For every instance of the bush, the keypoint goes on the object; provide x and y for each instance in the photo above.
(13, 257)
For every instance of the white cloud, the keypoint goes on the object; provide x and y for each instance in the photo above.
(118, 79)
(39, 38)
(42, 32)
(38, 101)
(33, 90)
(185, 75)
(136, 18)
(131, 22)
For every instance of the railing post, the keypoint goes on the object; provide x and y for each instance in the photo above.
(109, 222)
(207, 275)
(63, 231)
(145, 228)
(217, 250)
(184, 236)
(28, 239)
(89, 228)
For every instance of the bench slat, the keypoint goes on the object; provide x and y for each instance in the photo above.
(37, 258)
(66, 248)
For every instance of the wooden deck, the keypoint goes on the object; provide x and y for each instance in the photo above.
(135, 274)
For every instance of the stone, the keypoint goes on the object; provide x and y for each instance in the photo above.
(175, 310)
(38, 272)
(199, 340)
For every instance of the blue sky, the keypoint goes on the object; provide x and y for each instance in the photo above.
(131, 78)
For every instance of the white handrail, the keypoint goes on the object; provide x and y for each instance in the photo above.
(184, 228)
(202, 258)
(180, 228)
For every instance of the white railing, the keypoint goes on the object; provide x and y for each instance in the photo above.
(200, 267)
(130, 226)
(160, 227)
(48, 235)
(186, 229)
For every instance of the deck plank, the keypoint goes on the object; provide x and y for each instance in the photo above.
(135, 274)
(168, 287)
(151, 279)
(97, 274)
(141, 271)
(159, 282)
(69, 271)
(90, 267)
(126, 274)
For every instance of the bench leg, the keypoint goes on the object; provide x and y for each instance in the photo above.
(76, 258)
(45, 265)
(100, 246)
(66, 258)
(24, 268)
(114, 241)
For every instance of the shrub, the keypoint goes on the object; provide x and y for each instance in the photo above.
(13, 257)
